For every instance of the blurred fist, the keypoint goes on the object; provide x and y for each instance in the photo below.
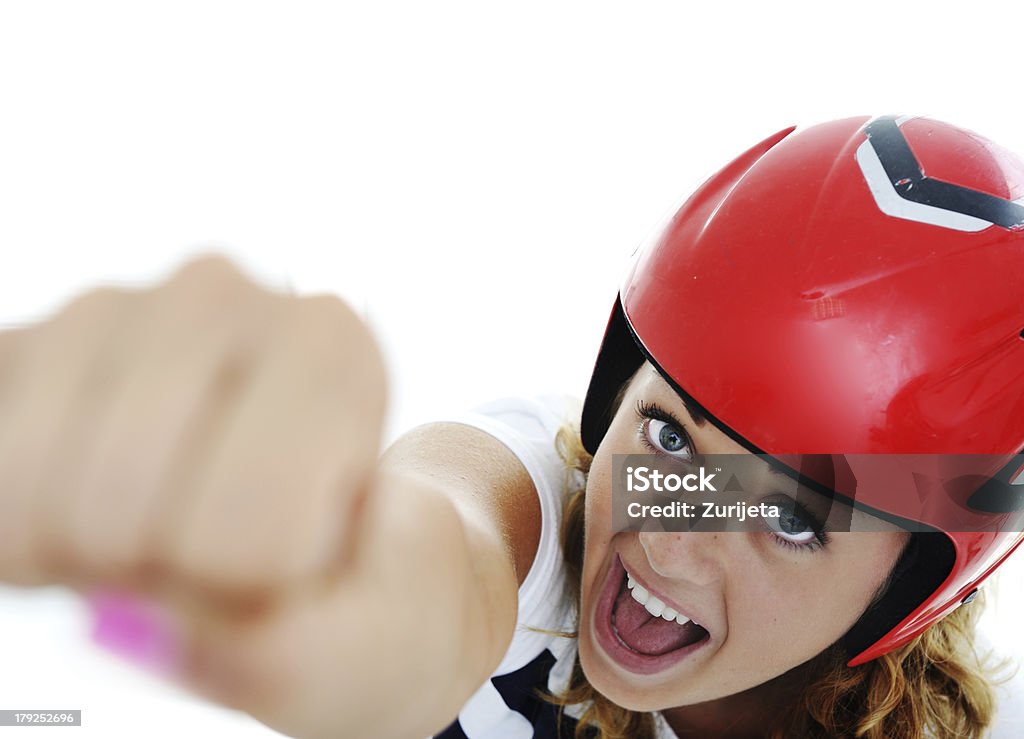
(206, 435)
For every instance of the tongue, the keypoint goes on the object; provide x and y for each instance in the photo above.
(647, 634)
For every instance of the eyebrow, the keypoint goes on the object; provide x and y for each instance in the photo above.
(695, 412)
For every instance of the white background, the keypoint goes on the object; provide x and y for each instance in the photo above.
(472, 178)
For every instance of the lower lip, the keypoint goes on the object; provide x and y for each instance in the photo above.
(621, 654)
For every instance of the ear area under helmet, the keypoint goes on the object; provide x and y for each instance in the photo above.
(925, 562)
(851, 288)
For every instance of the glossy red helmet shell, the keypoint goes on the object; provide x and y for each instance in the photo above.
(855, 287)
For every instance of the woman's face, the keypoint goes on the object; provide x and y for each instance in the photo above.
(767, 601)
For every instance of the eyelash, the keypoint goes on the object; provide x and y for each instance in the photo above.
(646, 412)
(821, 537)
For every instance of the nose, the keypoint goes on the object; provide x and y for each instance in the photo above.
(694, 556)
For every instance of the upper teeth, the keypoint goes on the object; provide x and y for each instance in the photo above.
(654, 605)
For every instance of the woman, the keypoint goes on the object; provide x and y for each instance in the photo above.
(800, 303)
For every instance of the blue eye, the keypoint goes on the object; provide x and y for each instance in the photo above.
(795, 527)
(668, 437)
(661, 433)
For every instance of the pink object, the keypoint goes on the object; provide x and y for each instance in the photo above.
(136, 629)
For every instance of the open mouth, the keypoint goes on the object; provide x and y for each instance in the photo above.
(647, 626)
(638, 630)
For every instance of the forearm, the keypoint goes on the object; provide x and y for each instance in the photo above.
(471, 528)
(462, 587)
(491, 605)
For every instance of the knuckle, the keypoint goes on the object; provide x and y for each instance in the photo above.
(211, 297)
(209, 278)
(325, 313)
(89, 320)
(209, 267)
(330, 325)
(98, 304)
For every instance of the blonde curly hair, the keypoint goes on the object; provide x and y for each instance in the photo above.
(937, 685)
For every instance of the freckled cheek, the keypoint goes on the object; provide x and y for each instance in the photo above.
(763, 606)
(801, 616)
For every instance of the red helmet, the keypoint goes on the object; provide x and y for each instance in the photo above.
(857, 288)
